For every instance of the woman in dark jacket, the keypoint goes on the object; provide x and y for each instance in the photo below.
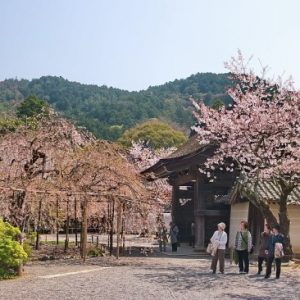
(275, 240)
(264, 246)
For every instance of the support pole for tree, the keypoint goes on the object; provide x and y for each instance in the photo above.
(119, 224)
(84, 229)
(67, 227)
(108, 224)
(20, 266)
(76, 221)
(111, 236)
(37, 244)
(57, 224)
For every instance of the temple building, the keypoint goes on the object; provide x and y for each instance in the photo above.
(196, 198)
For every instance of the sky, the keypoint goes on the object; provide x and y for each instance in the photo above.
(132, 44)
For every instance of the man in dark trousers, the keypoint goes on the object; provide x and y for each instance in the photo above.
(174, 236)
(275, 250)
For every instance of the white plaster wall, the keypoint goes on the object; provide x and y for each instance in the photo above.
(239, 211)
(294, 216)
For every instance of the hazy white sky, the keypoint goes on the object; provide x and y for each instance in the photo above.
(132, 44)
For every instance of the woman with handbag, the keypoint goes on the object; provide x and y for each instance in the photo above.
(218, 241)
(275, 251)
(243, 246)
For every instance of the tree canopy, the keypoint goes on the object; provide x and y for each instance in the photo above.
(32, 106)
(155, 133)
(108, 112)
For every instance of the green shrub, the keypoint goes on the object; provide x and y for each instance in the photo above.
(31, 237)
(11, 252)
(94, 252)
(27, 248)
(7, 274)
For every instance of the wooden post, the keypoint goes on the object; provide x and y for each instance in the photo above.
(20, 267)
(57, 225)
(76, 220)
(107, 224)
(84, 229)
(37, 244)
(119, 224)
(123, 230)
(111, 237)
(67, 227)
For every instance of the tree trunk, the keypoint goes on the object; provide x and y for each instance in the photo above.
(267, 213)
(284, 220)
(263, 207)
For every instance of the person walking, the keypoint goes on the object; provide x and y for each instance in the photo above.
(219, 241)
(263, 247)
(243, 246)
(162, 237)
(174, 231)
(192, 237)
(275, 250)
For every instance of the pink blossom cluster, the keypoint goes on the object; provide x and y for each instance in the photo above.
(260, 132)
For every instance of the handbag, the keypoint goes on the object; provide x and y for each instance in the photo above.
(235, 256)
(278, 252)
(210, 248)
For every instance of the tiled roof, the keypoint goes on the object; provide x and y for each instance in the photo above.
(190, 146)
(265, 190)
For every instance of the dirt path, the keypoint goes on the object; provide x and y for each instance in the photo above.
(146, 278)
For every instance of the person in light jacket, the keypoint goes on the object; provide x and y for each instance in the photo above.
(243, 246)
(219, 241)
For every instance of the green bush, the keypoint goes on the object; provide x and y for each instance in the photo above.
(27, 248)
(11, 251)
(31, 237)
(94, 252)
(7, 274)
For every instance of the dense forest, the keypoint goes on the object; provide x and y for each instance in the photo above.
(108, 112)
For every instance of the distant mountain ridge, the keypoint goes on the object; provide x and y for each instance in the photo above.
(107, 111)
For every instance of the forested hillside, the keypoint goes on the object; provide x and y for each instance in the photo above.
(108, 112)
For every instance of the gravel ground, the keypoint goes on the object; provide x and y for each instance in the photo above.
(146, 278)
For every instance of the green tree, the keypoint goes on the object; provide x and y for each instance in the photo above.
(217, 104)
(158, 134)
(11, 251)
(32, 106)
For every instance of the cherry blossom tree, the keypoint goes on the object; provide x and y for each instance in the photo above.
(259, 134)
(143, 156)
(54, 170)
